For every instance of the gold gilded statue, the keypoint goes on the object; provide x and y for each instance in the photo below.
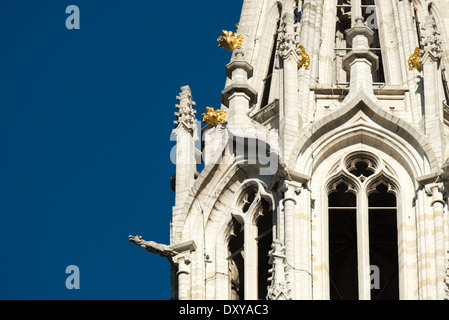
(305, 59)
(230, 40)
(214, 117)
(414, 61)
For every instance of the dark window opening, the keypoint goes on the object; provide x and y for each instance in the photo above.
(343, 266)
(298, 12)
(268, 79)
(264, 241)
(236, 262)
(343, 24)
(445, 86)
(369, 13)
(383, 237)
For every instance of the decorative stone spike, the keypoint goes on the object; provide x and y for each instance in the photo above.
(186, 114)
(277, 289)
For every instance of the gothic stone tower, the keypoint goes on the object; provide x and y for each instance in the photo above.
(326, 167)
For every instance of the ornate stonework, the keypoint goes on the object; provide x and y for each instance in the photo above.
(186, 114)
(360, 147)
(431, 38)
(277, 290)
(288, 40)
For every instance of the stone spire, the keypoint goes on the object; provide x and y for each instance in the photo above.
(186, 133)
(186, 114)
(360, 62)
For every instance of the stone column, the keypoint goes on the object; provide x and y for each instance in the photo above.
(291, 192)
(363, 256)
(247, 220)
(426, 249)
(435, 190)
(182, 259)
(251, 262)
(356, 11)
(250, 266)
(304, 281)
(183, 273)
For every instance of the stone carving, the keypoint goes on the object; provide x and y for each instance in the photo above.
(288, 42)
(171, 252)
(153, 247)
(289, 45)
(431, 38)
(186, 114)
(278, 287)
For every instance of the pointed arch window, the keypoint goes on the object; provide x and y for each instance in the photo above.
(363, 231)
(383, 240)
(249, 242)
(343, 243)
(236, 262)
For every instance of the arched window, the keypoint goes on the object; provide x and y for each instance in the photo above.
(343, 243)
(236, 262)
(264, 241)
(363, 231)
(383, 241)
(250, 241)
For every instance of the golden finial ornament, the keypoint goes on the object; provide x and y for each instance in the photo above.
(230, 40)
(414, 60)
(214, 117)
(305, 59)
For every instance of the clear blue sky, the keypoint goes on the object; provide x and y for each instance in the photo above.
(85, 123)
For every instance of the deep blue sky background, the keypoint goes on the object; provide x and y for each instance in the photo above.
(85, 123)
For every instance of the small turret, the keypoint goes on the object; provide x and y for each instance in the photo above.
(186, 135)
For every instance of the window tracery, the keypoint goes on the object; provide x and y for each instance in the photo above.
(249, 242)
(362, 221)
